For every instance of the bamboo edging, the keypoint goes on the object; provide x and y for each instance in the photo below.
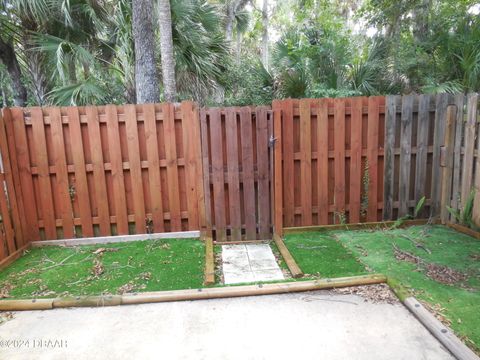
(191, 294)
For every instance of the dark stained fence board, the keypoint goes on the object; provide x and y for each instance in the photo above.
(423, 123)
(339, 148)
(406, 124)
(372, 157)
(469, 145)
(459, 102)
(248, 172)
(278, 169)
(438, 138)
(390, 124)
(233, 173)
(263, 173)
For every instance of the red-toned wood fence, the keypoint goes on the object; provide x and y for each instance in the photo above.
(237, 171)
(328, 160)
(89, 171)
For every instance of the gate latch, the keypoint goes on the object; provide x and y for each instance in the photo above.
(272, 141)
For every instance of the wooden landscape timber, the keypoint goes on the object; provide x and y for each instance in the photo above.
(289, 260)
(209, 261)
(191, 294)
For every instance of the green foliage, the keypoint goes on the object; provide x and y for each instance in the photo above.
(465, 215)
(418, 208)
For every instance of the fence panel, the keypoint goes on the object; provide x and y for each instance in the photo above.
(331, 157)
(237, 168)
(107, 170)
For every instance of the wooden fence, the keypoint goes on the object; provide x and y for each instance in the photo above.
(328, 160)
(418, 147)
(89, 171)
(237, 172)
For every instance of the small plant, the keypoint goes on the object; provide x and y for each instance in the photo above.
(416, 211)
(465, 215)
(366, 185)
(342, 217)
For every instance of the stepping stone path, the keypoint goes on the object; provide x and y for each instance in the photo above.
(249, 263)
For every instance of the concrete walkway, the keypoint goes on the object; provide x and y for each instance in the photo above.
(314, 325)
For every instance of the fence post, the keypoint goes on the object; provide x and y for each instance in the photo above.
(278, 169)
(446, 161)
(476, 203)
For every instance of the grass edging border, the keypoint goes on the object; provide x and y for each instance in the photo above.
(289, 260)
(464, 230)
(14, 256)
(191, 294)
(117, 238)
(441, 332)
(356, 226)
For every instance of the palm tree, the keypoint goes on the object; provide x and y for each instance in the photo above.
(143, 34)
(166, 49)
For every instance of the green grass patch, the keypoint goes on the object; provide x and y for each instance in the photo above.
(459, 302)
(154, 265)
(320, 255)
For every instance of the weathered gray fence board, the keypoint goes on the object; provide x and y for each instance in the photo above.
(389, 157)
(405, 153)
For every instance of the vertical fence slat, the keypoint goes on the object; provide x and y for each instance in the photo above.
(189, 143)
(61, 173)
(405, 153)
(153, 158)
(172, 170)
(355, 159)
(438, 137)
(306, 161)
(423, 123)
(118, 182)
(233, 173)
(46, 196)
(339, 146)
(372, 156)
(476, 206)
(390, 123)
(14, 194)
(197, 156)
(447, 170)
(470, 132)
(81, 185)
(278, 169)
(26, 181)
(288, 169)
(206, 170)
(459, 102)
(322, 161)
(263, 174)
(247, 169)
(9, 236)
(98, 170)
(217, 174)
(135, 167)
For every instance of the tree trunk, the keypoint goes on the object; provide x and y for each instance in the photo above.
(4, 97)
(146, 82)
(7, 55)
(230, 20)
(166, 50)
(265, 34)
(420, 23)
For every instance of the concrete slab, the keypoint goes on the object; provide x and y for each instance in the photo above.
(249, 263)
(314, 325)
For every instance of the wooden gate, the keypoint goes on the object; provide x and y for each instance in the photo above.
(237, 171)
